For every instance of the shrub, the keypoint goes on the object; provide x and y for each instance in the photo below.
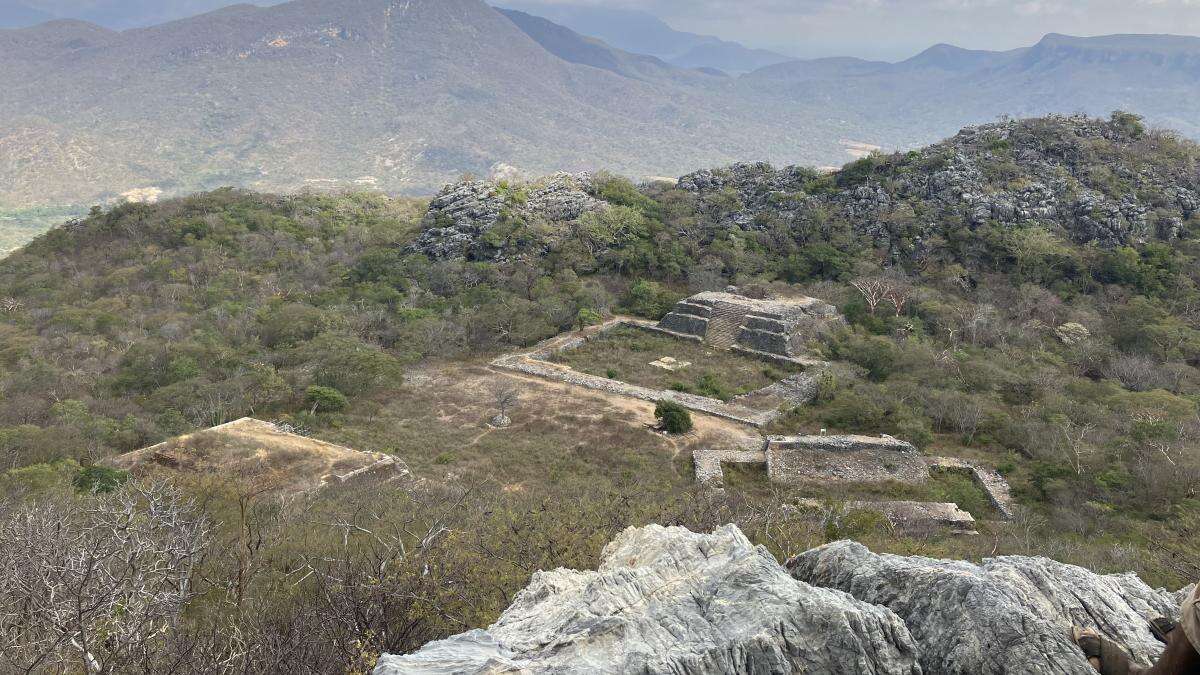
(649, 300)
(98, 480)
(675, 419)
(709, 385)
(876, 354)
(326, 399)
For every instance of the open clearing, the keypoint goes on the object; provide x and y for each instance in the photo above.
(626, 354)
(560, 435)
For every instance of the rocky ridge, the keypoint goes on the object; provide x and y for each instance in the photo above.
(477, 218)
(1078, 175)
(1007, 615)
(666, 600)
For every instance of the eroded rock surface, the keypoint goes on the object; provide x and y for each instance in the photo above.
(1009, 615)
(477, 218)
(666, 600)
(1013, 174)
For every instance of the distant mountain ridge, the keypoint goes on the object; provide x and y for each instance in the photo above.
(405, 96)
(115, 14)
(643, 33)
(373, 93)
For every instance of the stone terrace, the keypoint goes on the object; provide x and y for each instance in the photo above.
(859, 459)
(778, 328)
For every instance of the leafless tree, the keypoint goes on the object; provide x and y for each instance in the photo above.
(874, 291)
(507, 397)
(1075, 440)
(11, 305)
(1137, 373)
(890, 288)
(96, 584)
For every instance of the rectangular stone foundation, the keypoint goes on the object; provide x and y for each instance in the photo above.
(850, 459)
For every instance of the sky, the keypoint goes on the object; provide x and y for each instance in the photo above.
(897, 29)
(886, 29)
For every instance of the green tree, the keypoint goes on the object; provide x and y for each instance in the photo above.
(674, 418)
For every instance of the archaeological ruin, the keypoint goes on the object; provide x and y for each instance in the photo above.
(781, 328)
(857, 459)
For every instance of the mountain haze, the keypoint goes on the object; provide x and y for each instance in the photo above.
(644, 33)
(403, 97)
(384, 94)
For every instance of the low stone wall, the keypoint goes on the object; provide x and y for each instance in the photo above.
(530, 365)
(914, 519)
(854, 459)
(708, 463)
(988, 480)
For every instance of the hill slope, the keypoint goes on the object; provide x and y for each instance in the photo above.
(1020, 336)
(403, 97)
(399, 96)
(643, 33)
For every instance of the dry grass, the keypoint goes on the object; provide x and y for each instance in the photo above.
(560, 435)
(626, 354)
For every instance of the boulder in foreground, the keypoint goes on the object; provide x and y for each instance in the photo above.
(1008, 615)
(666, 600)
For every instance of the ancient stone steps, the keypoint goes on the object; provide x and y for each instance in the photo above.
(725, 325)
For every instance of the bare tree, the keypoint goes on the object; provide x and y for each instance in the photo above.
(890, 288)
(507, 397)
(95, 585)
(1075, 439)
(874, 291)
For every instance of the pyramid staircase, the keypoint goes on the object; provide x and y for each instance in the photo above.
(725, 325)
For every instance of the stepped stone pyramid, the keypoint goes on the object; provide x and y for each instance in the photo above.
(779, 327)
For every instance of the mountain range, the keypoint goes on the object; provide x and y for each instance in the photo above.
(644, 33)
(404, 96)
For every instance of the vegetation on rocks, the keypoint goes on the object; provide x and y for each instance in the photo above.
(1066, 360)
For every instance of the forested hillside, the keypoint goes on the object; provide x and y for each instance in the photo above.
(1040, 314)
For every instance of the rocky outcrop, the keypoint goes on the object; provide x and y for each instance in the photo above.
(479, 219)
(1007, 615)
(665, 600)
(1077, 176)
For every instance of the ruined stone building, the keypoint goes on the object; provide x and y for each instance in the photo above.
(851, 459)
(779, 327)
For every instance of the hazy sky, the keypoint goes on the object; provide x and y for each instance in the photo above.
(890, 29)
(900, 28)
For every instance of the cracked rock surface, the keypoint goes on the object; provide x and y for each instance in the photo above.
(666, 600)
(1007, 615)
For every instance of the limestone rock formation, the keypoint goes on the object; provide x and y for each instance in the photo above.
(666, 600)
(477, 218)
(1020, 173)
(1008, 615)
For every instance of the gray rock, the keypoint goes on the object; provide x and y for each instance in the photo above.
(1012, 174)
(462, 214)
(1009, 615)
(666, 600)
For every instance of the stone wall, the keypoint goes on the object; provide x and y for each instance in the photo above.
(524, 363)
(988, 480)
(914, 519)
(852, 459)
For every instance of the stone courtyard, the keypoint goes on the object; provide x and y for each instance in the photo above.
(780, 331)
